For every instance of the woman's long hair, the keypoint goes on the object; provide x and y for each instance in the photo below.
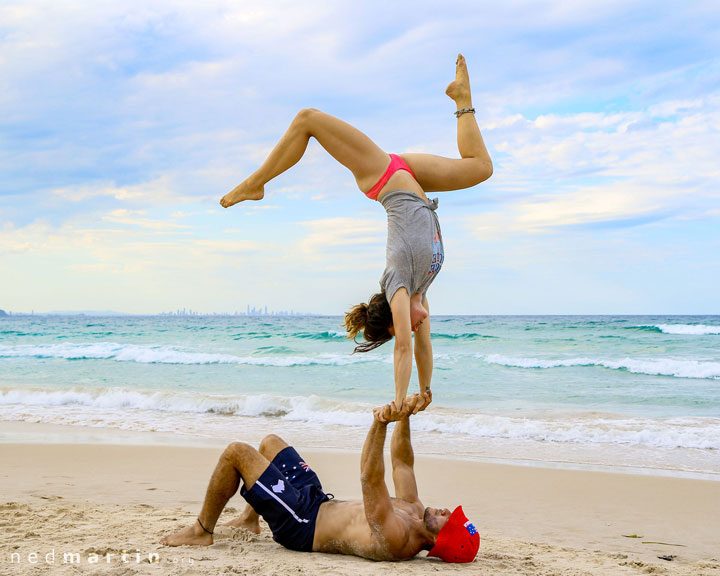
(373, 320)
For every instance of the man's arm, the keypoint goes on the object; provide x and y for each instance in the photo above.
(403, 462)
(376, 498)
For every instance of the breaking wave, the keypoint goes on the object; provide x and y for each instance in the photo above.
(171, 355)
(97, 407)
(653, 367)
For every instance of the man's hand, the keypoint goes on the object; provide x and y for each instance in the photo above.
(411, 405)
(382, 413)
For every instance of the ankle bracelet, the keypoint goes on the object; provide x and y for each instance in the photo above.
(463, 111)
(203, 527)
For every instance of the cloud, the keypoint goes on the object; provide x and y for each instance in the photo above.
(135, 218)
(673, 107)
(139, 236)
(328, 233)
(143, 269)
(590, 168)
(342, 244)
(147, 192)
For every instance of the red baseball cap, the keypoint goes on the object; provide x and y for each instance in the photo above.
(458, 541)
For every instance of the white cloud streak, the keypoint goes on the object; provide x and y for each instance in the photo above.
(601, 168)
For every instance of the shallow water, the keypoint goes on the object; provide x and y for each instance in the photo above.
(625, 391)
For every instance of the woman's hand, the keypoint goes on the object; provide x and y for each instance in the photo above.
(418, 313)
(423, 401)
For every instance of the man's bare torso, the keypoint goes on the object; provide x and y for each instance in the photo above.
(342, 528)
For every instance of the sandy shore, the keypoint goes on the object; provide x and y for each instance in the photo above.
(96, 500)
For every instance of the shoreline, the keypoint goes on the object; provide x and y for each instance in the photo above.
(20, 432)
(104, 497)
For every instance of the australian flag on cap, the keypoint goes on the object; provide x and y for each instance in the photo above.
(458, 540)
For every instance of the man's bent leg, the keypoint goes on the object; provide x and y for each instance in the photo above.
(270, 447)
(238, 462)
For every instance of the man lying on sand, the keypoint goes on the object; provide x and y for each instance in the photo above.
(281, 487)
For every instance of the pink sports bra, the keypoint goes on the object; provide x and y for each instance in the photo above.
(396, 163)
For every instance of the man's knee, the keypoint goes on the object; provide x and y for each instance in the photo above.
(271, 445)
(237, 452)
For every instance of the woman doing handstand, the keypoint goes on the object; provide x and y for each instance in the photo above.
(414, 247)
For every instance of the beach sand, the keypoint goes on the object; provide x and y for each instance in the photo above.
(98, 499)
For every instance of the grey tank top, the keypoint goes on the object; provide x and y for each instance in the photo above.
(414, 244)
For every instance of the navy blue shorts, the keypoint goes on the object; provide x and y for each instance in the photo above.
(288, 497)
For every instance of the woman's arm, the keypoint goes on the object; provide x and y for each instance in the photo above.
(400, 307)
(423, 352)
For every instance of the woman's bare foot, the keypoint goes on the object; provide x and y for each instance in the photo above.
(418, 314)
(459, 89)
(191, 536)
(249, 524)
(244, 191)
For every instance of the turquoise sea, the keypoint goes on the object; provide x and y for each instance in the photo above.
(638, 393)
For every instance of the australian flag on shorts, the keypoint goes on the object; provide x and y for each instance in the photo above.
(471, 529)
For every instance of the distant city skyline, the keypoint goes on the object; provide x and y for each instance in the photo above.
(262, 311)
(291, 313)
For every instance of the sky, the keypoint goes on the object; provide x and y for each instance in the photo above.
(122, 124)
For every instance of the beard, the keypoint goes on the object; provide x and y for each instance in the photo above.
(430, 521)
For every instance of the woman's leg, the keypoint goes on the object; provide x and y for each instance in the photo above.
(436, 173)
(346, 144)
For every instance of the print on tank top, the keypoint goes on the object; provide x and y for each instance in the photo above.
(438, 255)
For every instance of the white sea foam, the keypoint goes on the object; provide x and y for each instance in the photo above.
(699, 433)
(307, 408)
(171, 355)
(654, 367)
(138, 410)
(691, 329)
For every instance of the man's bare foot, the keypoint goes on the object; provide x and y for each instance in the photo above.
(190, 536)
(418, 314)
(249, 524)
(244, 191)
(459, 89)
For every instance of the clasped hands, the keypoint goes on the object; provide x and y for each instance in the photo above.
(411, 405)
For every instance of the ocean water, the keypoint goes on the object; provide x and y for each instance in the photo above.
(635, 393)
